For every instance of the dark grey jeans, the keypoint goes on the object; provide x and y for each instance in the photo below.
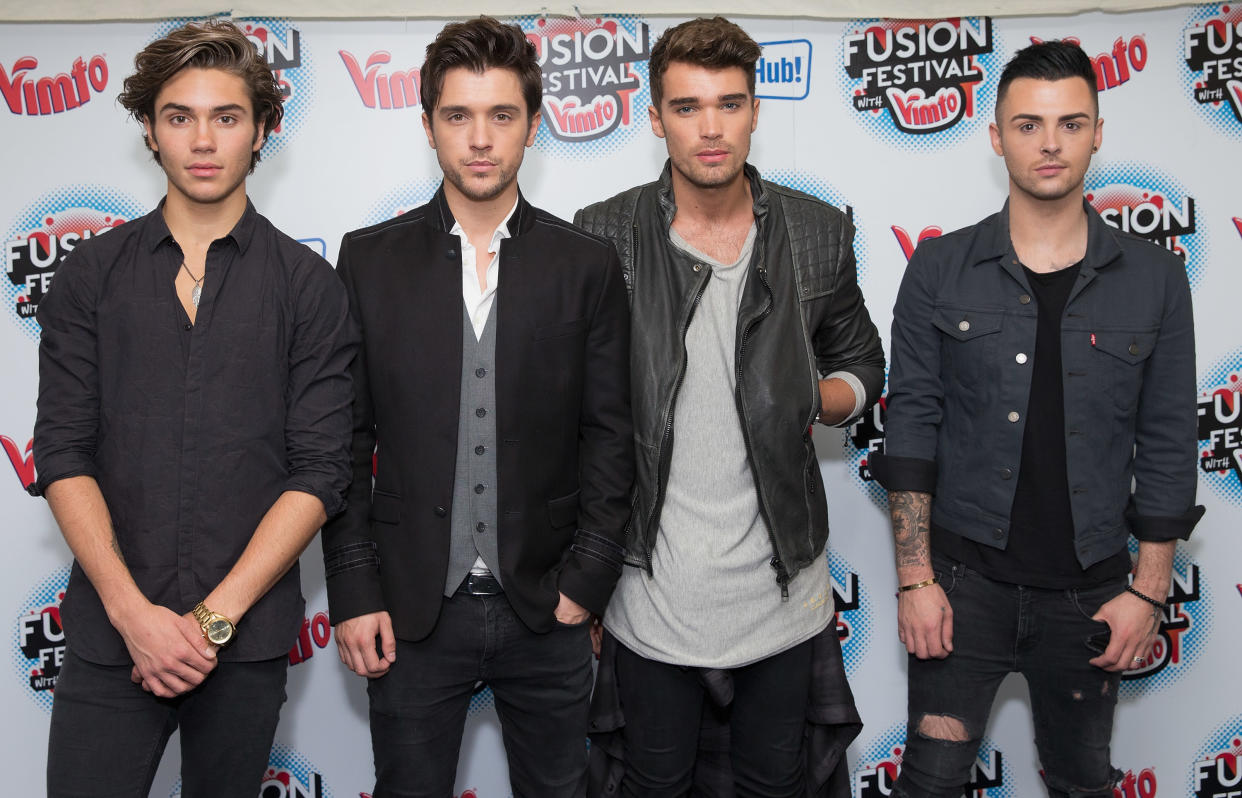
(541, 684)
(998, 629)
(108, 734)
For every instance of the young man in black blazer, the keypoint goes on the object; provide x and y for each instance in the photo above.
(494, 374)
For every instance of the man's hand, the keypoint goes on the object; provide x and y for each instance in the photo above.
(1134, 624)
(925, 622)
(570, 612)
(355, 642)
(170, 654)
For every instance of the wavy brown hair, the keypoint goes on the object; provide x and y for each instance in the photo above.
(714, 43)
(480, 44)
(214, 44)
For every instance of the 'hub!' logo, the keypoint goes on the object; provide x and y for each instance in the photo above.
(1136, 199)
(47, 231)
(1217, 772)
(52, 95)
(39, 640)
(1220, 428)
(879, 767)
(1212, 52)
(912, 79)
(594, 73)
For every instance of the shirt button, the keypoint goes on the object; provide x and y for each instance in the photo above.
(1134, 349)
(452, 253)
(480, 372)
(963, 325)
(482, 411)
(1013, 416)
(480, 527)
(997, 534)
(479, 488)
(1025, 299)
(1020, 357)
(440, 512)
(480, 449)
(1006, 473)
(187, 326)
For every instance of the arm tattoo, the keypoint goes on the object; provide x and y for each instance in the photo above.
(911, 515)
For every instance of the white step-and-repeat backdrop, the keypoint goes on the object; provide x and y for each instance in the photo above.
(886, 119)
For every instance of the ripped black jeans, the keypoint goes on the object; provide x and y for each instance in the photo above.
(999, 629)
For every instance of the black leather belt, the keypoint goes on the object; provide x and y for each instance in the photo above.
(480, 585)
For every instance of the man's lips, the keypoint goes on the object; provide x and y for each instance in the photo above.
(1050, 169)
(480, 166)
(203, 169)
(712, 156)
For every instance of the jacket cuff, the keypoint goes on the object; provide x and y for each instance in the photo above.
(591, 570)
(1160, 528)
(903, 473)
(353, 582)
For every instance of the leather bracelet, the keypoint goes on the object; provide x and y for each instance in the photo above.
(1163, 607)
(917, 585)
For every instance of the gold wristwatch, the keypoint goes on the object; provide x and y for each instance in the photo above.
(216, 628)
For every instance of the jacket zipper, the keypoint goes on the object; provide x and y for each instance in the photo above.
(782, 575)
(665, 451)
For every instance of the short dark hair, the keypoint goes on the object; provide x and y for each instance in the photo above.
(480, 44)
(714, 43)
(214, 44)
(1050, 60)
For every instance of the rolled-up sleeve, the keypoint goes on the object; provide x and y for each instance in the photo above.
(67, 421)
(319, 392)
(915, 392)
(847, 340)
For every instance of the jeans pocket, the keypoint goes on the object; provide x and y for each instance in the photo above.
(1088, 600)
(948, 573)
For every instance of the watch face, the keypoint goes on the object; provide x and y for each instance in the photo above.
(219, 631)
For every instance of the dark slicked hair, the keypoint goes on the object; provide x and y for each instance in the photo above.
(714, 43)
(480, 44)
(1051, 60)
(214, 44)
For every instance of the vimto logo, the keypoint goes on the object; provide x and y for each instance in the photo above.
(1212, 53)
(880, 765)
(1137, 199)
(1217, 771)
(594, 75)
(22, 459)
(46, 231)
(915, 82)
(397, 88)
(1142, 785)
(52, 95)
(315, 634)
(39, 640)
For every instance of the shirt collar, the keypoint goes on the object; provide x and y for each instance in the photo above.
(156, 232)
(501, 232)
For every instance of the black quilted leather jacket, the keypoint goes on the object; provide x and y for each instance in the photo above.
(801, 316)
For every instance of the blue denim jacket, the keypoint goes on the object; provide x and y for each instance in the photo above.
(962, 350)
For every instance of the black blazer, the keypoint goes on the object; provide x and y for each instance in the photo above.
(565, 460)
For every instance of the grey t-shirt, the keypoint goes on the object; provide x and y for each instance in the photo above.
(713, 600)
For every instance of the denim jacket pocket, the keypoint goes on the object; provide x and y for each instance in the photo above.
(1122, 356)
(968, 344)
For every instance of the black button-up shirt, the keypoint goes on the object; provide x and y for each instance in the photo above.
(193, 431)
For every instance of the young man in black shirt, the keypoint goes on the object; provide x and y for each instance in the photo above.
(1042, 390)
(192, 436)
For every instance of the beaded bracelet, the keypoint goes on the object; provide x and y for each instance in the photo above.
(1163, 607)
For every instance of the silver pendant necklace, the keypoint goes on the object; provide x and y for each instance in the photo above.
(197, 293)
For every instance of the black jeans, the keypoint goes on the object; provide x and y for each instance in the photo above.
(108, 734)
(541, 684)
(999, 628)
(667, 706)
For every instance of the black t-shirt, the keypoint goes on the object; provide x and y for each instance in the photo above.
(1041, 550)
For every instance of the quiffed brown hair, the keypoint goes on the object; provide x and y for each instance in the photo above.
(480, 44)
(214, 44)
(714, 43)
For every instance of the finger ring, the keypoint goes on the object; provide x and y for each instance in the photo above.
(1138, 660)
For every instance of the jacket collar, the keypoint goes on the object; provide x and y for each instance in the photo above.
(441, 217)
(668, 206)
(993, 241)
